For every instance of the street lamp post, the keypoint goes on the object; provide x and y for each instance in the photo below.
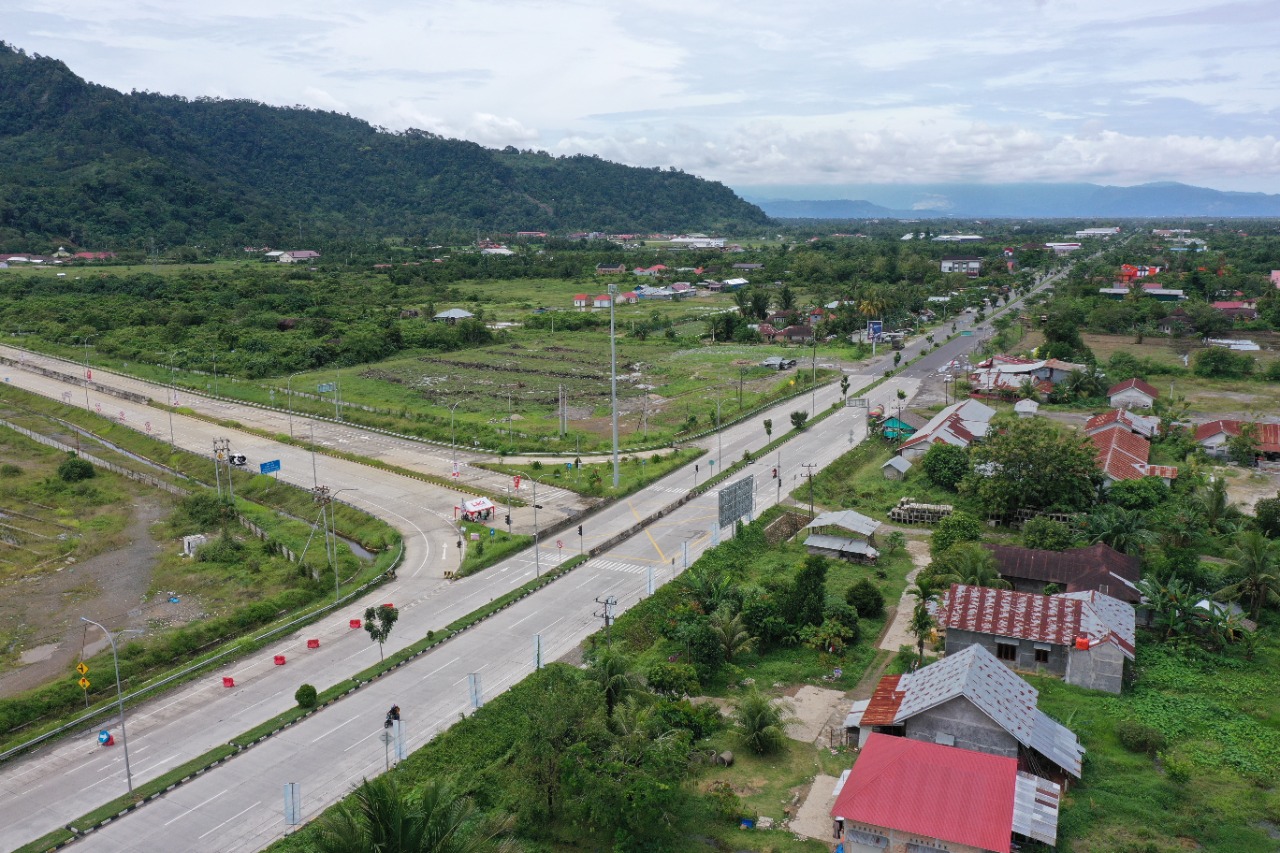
(288, 390)
(453, 435)
(86, 339)
(537, 560)
(813, 398)
(173, 396)
(333, 524)
(613, 378)
(719, 434)
(124, 738)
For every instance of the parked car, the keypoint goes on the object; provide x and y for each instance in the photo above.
(777, 362)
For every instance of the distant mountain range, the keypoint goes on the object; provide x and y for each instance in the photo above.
(1050, 201)
(92, 167)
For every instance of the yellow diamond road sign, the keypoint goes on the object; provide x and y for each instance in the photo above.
(81, 668)
(84, 683)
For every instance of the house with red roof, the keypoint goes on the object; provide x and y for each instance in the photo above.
(610, 269)
(653, 271)
(959, 424)
(581, 300)
(1083, 637)
(973, 701)
(1122, 455)
(1143, 425)
(906, 795)
(628, 298)
(1213, 437)
(1132, 394)
(602, 301)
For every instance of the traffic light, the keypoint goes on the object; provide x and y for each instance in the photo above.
(579, 529)
(695, 467)
(508, 521)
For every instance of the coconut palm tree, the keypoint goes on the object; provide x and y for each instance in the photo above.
(1125, 530)
(612, 671)
(761, 722)
(921, 625)
(731, 633)
(1256, 572)
(1214, 501)
(380, 818)
(970, 564)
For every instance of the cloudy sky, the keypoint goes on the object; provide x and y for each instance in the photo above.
(747, 92)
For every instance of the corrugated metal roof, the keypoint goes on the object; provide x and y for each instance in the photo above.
(1104, 618)
(1077, 569)
(842, 544)
(976, 675)
(1035, 808)
(1002, 612)
(847, 520)
(941, 792)
(1133, 383)
(898, 463)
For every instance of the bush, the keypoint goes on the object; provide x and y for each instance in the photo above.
(838, 611)
(8, 469)
(1219, 363)
(1139, 737)
(955, 528)
(224, 549)
(1046, 534)
(74, 469)
(672, 679)
(866, 598)
(305, 697)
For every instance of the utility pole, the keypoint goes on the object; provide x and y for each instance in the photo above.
(809, 468)
(606, 614)
(86, 339)
(322, 498)
(537, 561)
(813, 399)
(288, 390)
(222, 453)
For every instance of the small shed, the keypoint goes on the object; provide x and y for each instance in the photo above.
(896, 468)
(581, 300)
(1026, 408)
(602, 301)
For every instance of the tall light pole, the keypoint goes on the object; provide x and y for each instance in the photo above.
(288, 391)
(453, 435)
(173, 397)
(124, 738)
(86, 339)
(813, 398)
(613, 378)
(537, 561)
(333, 525)
(719, 434)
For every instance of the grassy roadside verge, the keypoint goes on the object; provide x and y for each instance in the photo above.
(635, 472)
(198, 765)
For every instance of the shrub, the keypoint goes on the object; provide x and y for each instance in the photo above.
(1139, 737)
(672, 679)
(1048, 535)
(305, 697)
(955, 528)
(838, 611)
(74, 469)
(1216, 362)
(8, 469)
(224, 549)
(866, 598)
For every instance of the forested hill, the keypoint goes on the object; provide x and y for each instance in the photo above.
(96, 168)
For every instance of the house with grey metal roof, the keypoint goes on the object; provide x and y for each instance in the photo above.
(453, 315)
(896, 468)
(973, 701)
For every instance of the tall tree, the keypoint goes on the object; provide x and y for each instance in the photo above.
(1255, 573)
(1126, 530)
(1029, 463)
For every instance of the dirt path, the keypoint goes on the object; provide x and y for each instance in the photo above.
(108, 587)
(897, 634)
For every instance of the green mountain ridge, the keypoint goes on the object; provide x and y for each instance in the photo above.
(87, 165)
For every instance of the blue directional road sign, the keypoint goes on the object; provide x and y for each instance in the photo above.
(269, 467)
(104, 736)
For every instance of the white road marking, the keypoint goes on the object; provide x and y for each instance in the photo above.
(334, 729)
(437, 669)
(198, 805)
(228, 820)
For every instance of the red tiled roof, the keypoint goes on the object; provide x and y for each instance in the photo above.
(1268, 435)
(1133, 383)
(580, 297)
(1005, 613)
(1121, 454)
(1165, 471)
(940, 792)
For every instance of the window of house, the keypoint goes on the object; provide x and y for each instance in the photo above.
(1042, 655)
(1006, 651)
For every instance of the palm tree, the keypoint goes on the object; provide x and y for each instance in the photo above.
(612, 671)
(1125, 530)
(1256, 573)
(731, 634)
(921, 625)
(1027, 389)
(761, 722)
(1171, 604)
(709, 587)
(971, 564)
(1214, 502)
(379, 818)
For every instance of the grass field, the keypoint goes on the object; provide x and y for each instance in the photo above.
(1211, 787)
(596, 479)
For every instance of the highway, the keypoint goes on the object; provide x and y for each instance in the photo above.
(238, 805)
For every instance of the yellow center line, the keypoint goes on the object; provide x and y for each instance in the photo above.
(652, 541)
